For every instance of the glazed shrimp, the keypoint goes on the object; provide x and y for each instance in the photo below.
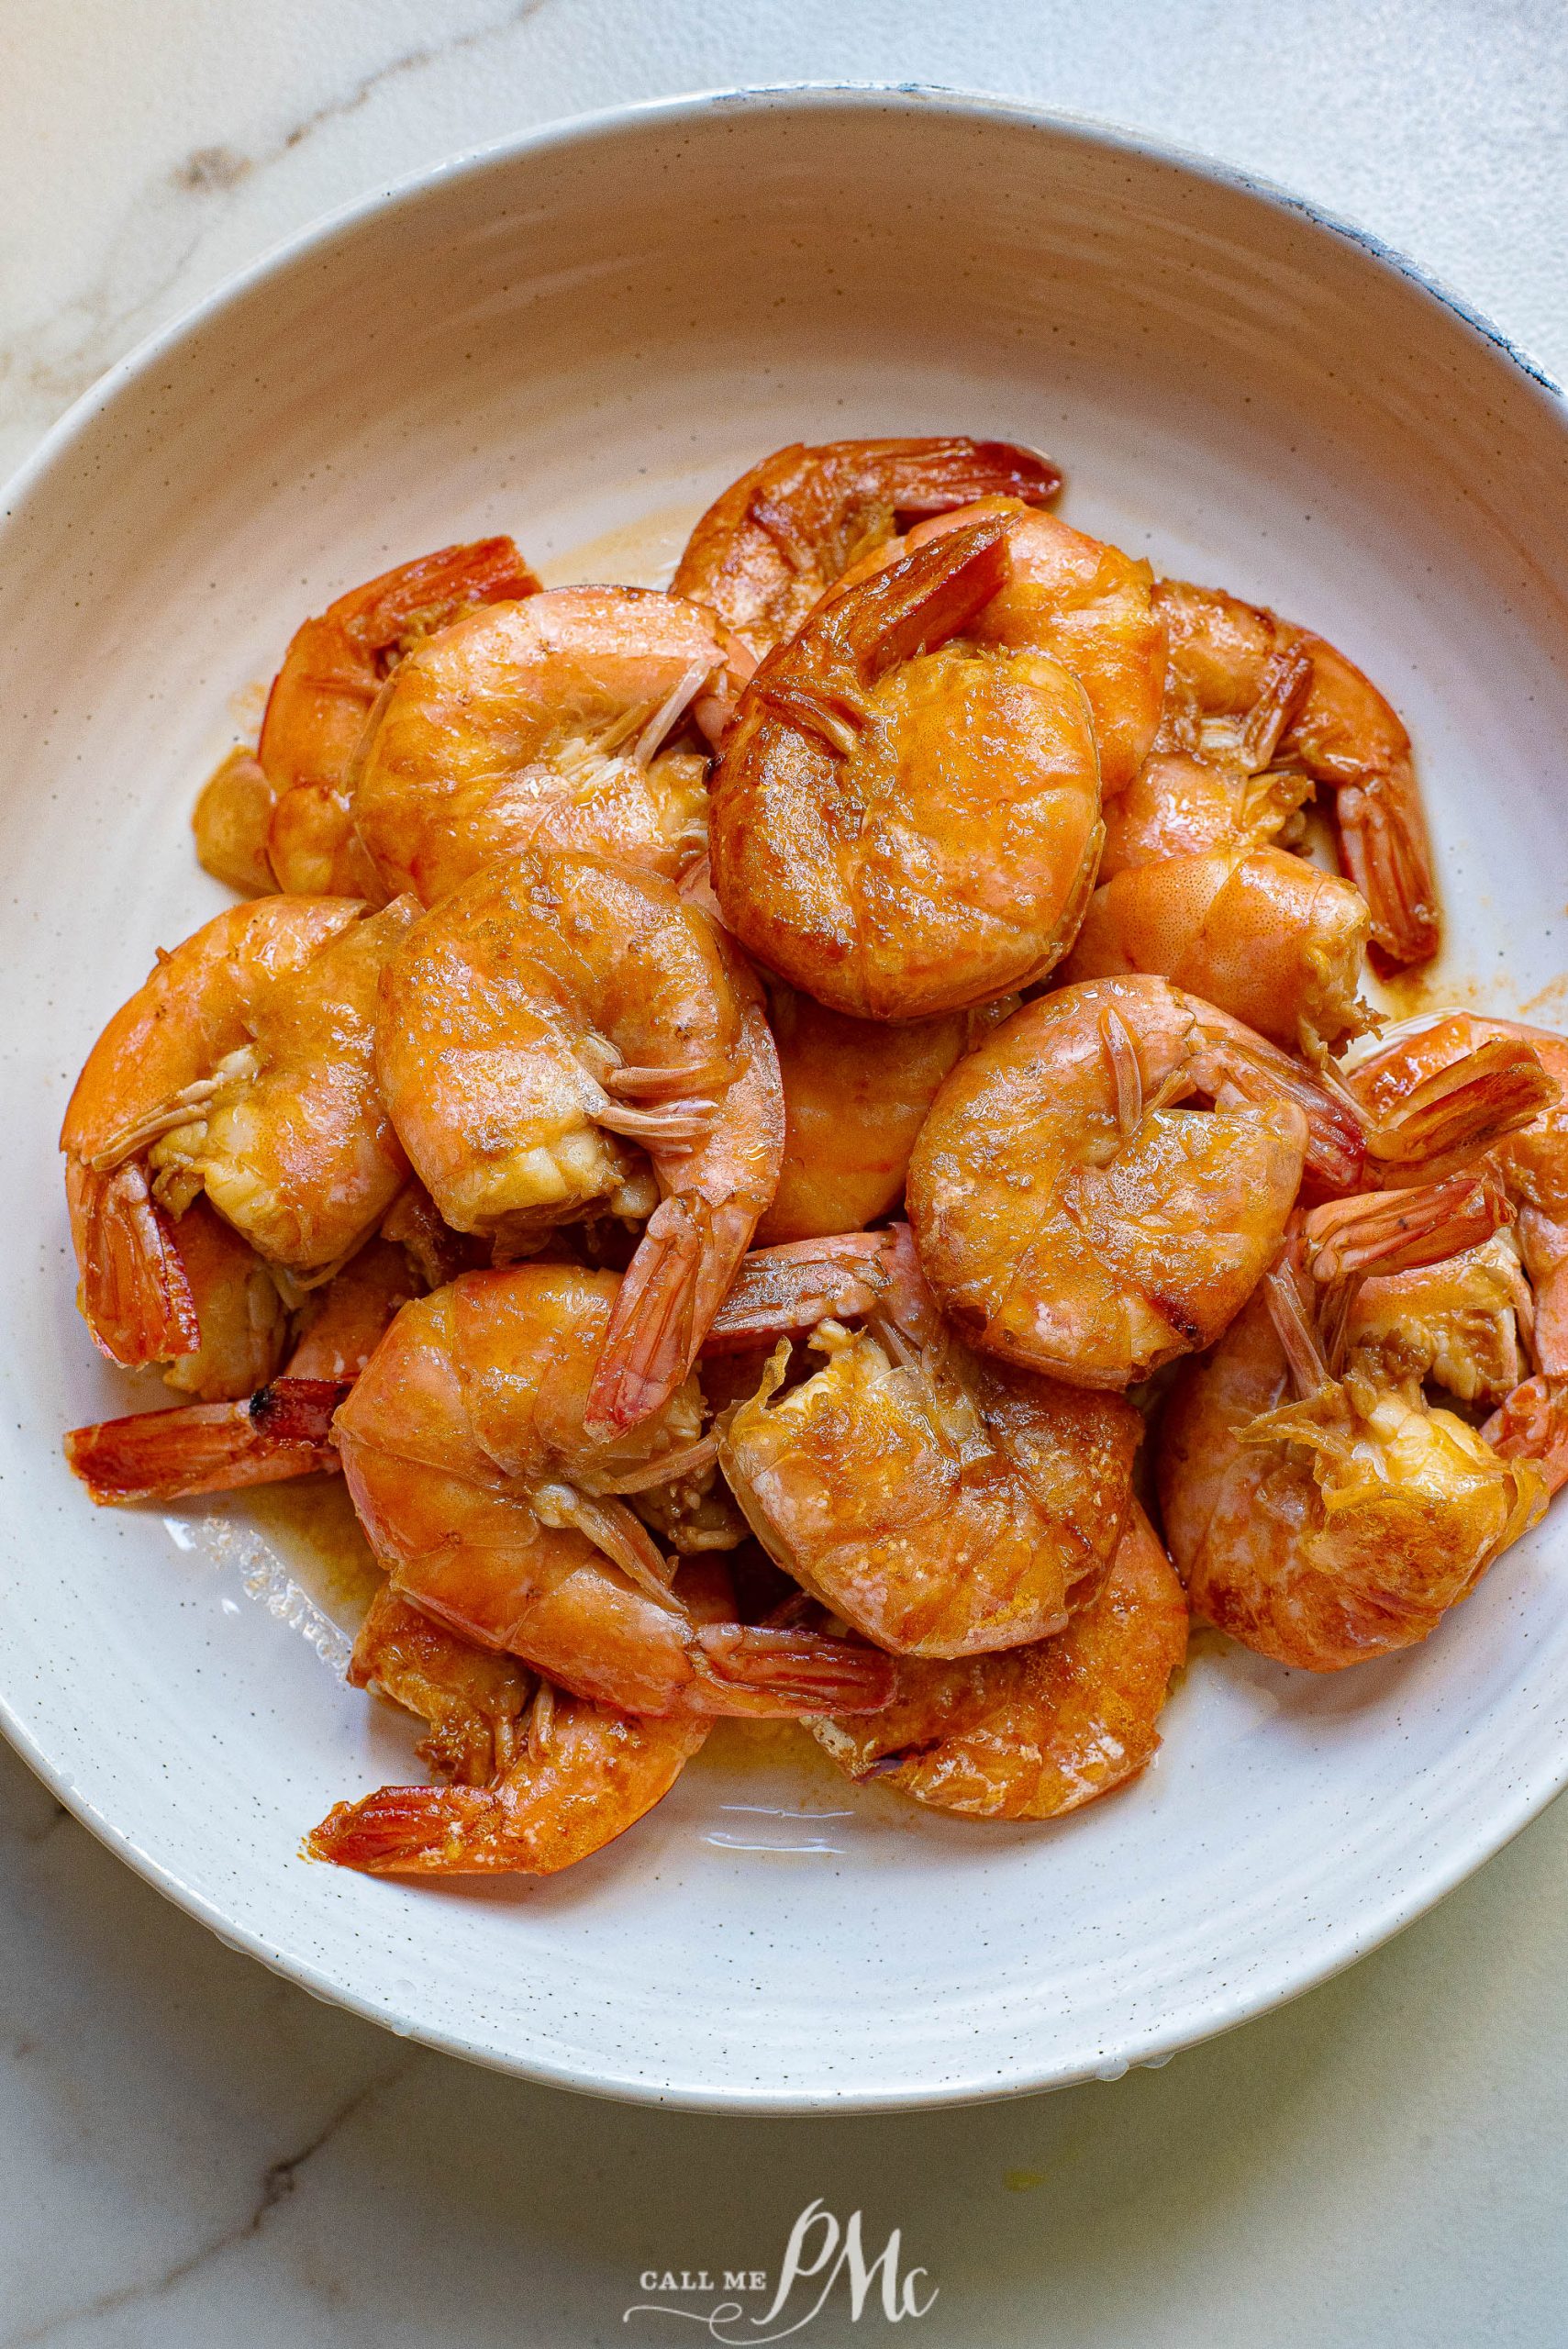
(1034, 1732)
(544, 725)
(1071, 1217)
(464, 1449)
(1320, 1519)
(281, 1430)
(331, 673)
(1226, 658)
(900, 826)
(230, 822)
(532, 1795)
(855, 1093)
(781, 536)
(940, 1504)
(1073, 599)
(239, 1314)
(546, 1013)
(1262, 934)
(1461, 1082)
(1231, 797)
(240, 1066)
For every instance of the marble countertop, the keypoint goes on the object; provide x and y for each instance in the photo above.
(193, 2153)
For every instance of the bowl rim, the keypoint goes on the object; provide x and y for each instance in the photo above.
(1516, 1806)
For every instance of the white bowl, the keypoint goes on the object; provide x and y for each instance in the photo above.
(578, 339)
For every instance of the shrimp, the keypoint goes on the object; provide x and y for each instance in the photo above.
(528, 1799)
(942, 1505)
(1226, 660)
(901, 826)
(231, 820)
(1071, 1218)
(1262, 934)
(281, 1429)
(781, 536)
(1073, 599)
(331, 674)
(496, 1513)
(1034, 1732)
(242, 1068)
(543, 726)
(855, 1093)
(1323, 1519)
(1462, 1083)
(239, 1314)
(548, 1012)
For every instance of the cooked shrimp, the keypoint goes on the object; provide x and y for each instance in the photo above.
(1533, 1425)
(1034, 1732)
(901, 826)
(465, 1453)
(240, 1316)
(941, 1505)
(855, 1093)
(1226, 660)
(1232, 796)
(191, 1013)
(242, 1068)
(332, 672)
(283, 1429)
(1463, 1082)
(781, 535)
(1339, 1525)
(1074, 599)
(231, 821)
(529, 1798)
(1072, 1218)
(1262, 934)
(546, 1013)
(544, 726)
(787, 1290)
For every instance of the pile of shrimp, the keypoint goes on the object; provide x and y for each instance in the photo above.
(807, 1146)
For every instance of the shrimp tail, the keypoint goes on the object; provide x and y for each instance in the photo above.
(134, 1290)
(685, 1260)
(780, 1291)
(795, 1674)
(1399, 1231)
(1382, 836)
(283, 1430)
(413, 1831)
(1492, 1091)
(924, 599)
(1532, 1424)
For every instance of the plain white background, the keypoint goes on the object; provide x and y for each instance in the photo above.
(193, 2153)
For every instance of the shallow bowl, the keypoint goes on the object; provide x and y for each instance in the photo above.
(578, 339)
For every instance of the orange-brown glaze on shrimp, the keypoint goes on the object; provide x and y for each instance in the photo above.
(160, 1050)
(542, 1779)
(1262, 934)
(466, 1456)
(903, 826)
(1074, 1214)
(942, 1504)
(331, 674)
(1225, 659)
(548, 725)
(781, 536)
(549, 1012)
(1031, 1732)
(282, 1427)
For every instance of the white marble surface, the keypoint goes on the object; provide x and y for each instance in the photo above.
(193, 2153)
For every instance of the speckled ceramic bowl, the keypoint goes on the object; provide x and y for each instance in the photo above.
(578, 339)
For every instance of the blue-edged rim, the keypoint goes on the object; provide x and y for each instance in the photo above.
(1152, 2047)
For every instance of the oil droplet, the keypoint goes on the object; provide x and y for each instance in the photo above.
(1024, 2181)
